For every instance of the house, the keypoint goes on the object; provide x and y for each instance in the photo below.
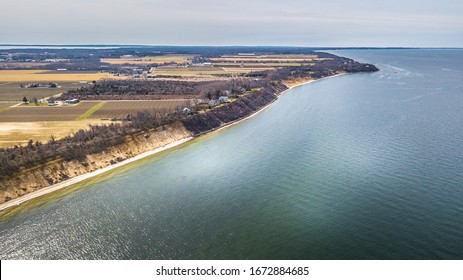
(213, 103)
(71, 101)
(186, 111)
(223, 99)
(52, 103)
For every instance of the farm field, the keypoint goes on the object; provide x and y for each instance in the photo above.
(197, 71)
(34, 113)
(50, 76)
(235, 65)
(120, 109)
(177, 58)
(187, 71)
(86, 110)
(3, 106)
(255, 65)
(14, 133)
(12, 91)
(29, 65)
(268, 58)
(11, 80)
(21, 123)
(245, 70)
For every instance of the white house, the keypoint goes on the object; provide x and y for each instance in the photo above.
(72, 101)
(186, 111)
(223, 99)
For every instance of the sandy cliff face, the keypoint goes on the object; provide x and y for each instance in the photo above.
(57, 171)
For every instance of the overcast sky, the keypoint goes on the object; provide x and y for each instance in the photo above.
(410, 23)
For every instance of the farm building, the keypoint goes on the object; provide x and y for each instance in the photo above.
(71, 101)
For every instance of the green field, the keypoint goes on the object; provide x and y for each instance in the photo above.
(90, 112)
(5, 106)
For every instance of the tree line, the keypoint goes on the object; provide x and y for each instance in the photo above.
(81, 143)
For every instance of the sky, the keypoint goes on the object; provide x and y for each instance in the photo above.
(322, 23)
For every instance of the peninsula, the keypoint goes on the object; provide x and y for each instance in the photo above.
(93, 110)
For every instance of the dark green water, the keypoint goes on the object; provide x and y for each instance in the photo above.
(365, 166)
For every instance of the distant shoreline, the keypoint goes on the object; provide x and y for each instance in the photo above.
(225, 46)
(43, 191)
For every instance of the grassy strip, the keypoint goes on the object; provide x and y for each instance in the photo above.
(5, 109)
(90, 112)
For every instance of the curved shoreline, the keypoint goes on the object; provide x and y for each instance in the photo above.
(19, 200)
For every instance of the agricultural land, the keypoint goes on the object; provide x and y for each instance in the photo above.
(111, 83)
(70, 105)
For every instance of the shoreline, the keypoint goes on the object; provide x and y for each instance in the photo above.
(83, 177)
(38, 193)
(268, 105)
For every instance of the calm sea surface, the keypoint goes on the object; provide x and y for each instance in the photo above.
(364, 166)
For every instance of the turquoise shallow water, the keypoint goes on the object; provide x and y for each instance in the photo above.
(364, 166)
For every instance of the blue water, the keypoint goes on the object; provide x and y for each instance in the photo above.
(363, 166)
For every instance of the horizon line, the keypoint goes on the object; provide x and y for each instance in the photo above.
(221, 46)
